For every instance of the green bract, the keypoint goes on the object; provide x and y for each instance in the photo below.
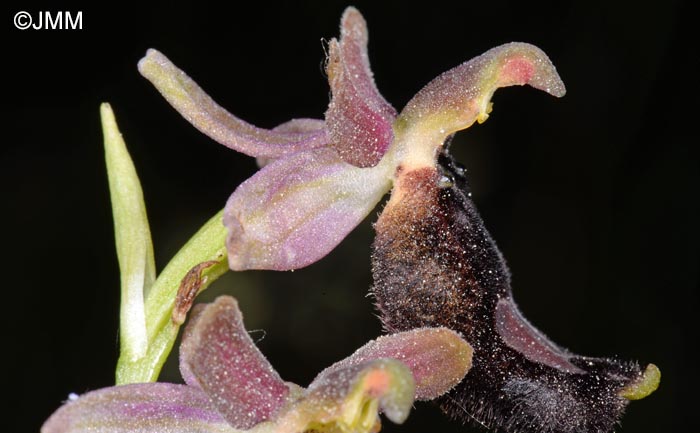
(147, 329)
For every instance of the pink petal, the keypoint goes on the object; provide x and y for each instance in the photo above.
(295, 210)
(438, 358)
(218, 355)
(139, 408)
(359, 119)
(460, 96)
(210, 118)
(301, 126)
(293, 126)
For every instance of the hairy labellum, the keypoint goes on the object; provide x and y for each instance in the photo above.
(434, 264)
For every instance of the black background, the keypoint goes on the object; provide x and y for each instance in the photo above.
(592, 198)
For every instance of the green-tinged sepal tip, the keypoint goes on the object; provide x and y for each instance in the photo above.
(645, 385)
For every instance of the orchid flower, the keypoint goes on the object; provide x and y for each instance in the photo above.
(434, 263)
(320, 179)
(231, 387)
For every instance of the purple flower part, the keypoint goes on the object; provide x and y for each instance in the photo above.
(220, 125)
(359, 119)
(301, 126)
(139, 408)
(320, 179)
(437, 357)
(218, 355)
(186, 344)
(297, 209)
(461, 96)
(293, 126)
(232, 388)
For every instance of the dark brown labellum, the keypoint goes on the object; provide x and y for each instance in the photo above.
(434, 264)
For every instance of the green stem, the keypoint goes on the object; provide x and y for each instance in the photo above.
(208, 244)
